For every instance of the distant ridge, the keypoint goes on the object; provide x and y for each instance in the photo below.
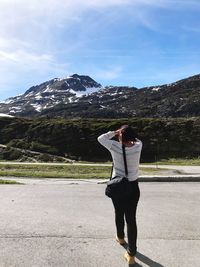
(79, 96)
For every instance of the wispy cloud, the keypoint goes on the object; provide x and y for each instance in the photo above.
(21, 69)
(29, 59)
(44, 38)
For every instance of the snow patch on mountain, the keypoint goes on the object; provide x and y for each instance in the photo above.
(7, 101)
(77, 93)
(38, 96)
(91, 90)
(37, 107)
(15, 109)
(6, 115)
(48, 90)
(155, 89)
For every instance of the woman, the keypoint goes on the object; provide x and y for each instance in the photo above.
(126, 207)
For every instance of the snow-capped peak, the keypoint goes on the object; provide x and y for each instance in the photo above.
(51, 93)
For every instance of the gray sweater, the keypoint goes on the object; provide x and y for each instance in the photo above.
(132, 155)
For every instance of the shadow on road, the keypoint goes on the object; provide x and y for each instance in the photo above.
(147, 261)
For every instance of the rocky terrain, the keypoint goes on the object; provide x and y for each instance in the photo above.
(79, 96)
(26, 155)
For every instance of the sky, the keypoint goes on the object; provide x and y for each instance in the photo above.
(116, 42)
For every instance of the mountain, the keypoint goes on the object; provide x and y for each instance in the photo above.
(79, 96)
(49, 94)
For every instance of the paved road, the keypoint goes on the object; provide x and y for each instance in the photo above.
(73, 226)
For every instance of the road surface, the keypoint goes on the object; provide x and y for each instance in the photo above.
(73, 226)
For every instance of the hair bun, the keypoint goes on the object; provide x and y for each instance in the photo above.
(128, 134)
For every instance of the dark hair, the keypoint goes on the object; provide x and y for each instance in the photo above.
(128, 134)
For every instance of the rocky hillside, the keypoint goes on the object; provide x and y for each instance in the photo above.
(26, 155)
(81, 97)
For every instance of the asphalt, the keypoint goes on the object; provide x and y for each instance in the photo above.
(72, 225)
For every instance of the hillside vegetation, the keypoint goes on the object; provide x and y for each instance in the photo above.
(77, 139)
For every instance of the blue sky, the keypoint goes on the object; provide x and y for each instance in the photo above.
(116, 42)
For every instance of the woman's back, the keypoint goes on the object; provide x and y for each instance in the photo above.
(132, 155)
(132, 158)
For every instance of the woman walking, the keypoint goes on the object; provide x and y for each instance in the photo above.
(126, 207)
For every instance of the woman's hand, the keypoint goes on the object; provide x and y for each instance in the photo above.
(118, 132)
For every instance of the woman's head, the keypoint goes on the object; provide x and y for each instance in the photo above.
(127, 134)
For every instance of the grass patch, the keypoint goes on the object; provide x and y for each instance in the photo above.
(8, 182)
(54, 171)
(63, 171)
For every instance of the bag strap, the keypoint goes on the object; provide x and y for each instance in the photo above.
(111, 172)
(125, 163)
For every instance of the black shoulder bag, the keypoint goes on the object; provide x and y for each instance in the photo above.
(118, 186)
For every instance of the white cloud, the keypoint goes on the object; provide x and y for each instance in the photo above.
(35, 23)
(44, 14)
(30, 33)
(26, 58)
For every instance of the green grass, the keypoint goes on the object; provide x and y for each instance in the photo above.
(8, 182)
(54, 171)
(63, 171)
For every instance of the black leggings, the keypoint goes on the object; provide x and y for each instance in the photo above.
(127, 207)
